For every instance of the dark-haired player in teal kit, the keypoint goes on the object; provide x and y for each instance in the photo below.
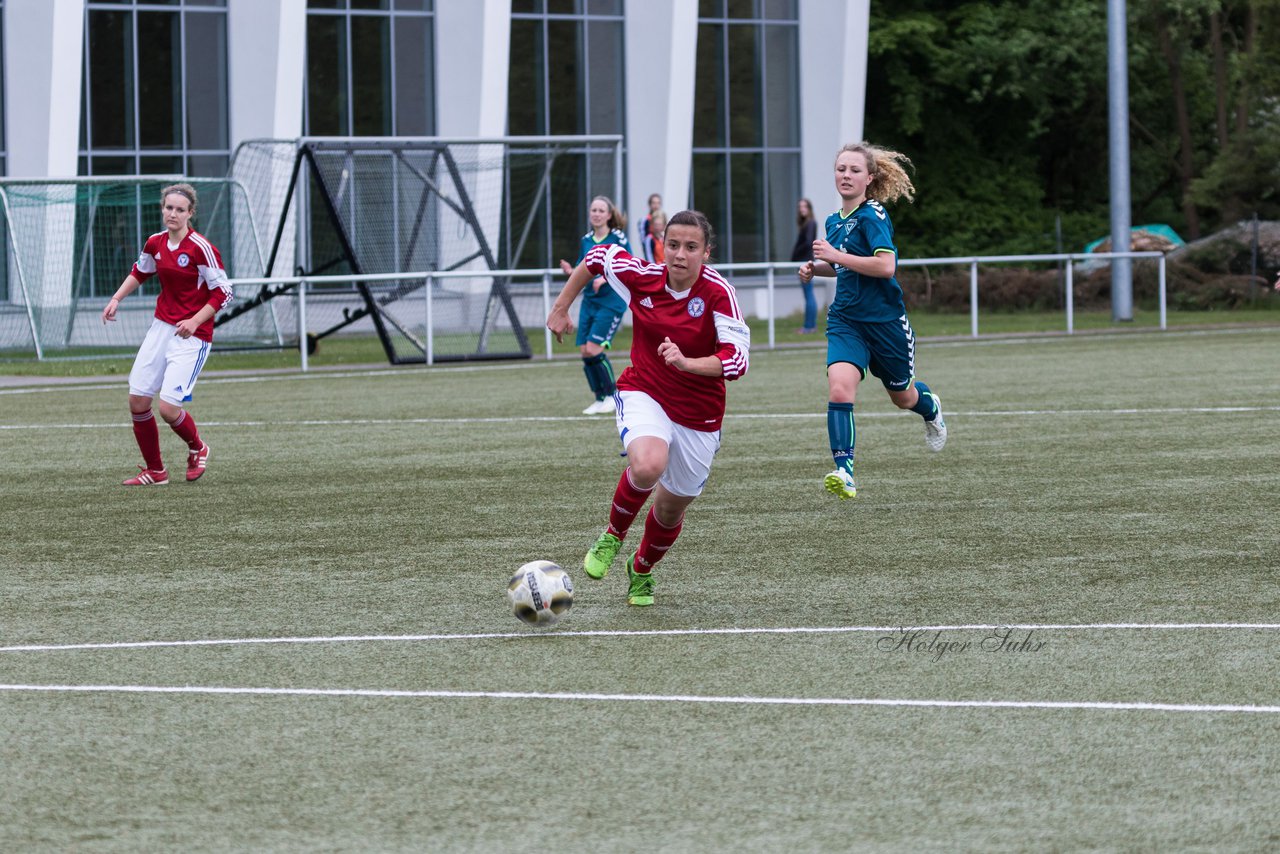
(867, 328)
(601, 312)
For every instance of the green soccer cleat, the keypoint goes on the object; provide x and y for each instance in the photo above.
(840, 483)
(640, 589)
(597, 562)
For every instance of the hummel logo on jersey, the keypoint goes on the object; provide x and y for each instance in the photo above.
(646, 302)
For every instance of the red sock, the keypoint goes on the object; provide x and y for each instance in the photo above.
(627, 501)
(148, 436)
(185, 427)
(655, 542)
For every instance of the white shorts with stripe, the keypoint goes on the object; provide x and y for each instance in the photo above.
(690, 452)
(167, 364)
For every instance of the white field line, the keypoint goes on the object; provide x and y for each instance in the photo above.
(650, 698)
(530, 419)
(607, 633)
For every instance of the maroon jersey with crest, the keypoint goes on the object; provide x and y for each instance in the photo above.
(702, 321)
(191, 277)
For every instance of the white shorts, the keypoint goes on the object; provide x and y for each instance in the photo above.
(690, 452)
(167, 365)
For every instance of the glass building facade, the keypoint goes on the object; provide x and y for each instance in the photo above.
(566, 77)
(154, 88)
(746, 136)
(370, 68)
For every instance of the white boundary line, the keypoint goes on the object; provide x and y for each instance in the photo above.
(649, 698)
(532, 419)
(614, 633)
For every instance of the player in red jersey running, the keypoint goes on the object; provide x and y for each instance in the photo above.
(193, 287)
(688, 339)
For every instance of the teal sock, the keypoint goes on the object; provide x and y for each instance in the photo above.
(926, 407)
(841, 432)
(599, 375)
(592, 382)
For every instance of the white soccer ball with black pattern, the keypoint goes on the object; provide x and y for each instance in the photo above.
(540, 593)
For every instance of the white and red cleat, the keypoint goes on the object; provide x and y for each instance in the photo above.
(196, 462)
(149, 477)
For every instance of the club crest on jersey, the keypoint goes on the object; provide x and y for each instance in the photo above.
(183, 259)
(696, 307)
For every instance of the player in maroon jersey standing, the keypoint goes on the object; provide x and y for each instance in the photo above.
(688, 339)
(193, 287)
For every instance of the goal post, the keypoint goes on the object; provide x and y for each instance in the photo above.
(69, 243)
(382, 205)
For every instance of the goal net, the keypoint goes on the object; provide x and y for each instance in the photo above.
(364, 206)
(67, 244)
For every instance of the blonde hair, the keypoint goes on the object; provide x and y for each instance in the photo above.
(659, 216)
(181, 190)
(617, 219)
(889, 179)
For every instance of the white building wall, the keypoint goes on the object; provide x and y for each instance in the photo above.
(661, 46)
(833, 91)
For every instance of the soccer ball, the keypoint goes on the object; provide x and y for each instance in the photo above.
(540, 593)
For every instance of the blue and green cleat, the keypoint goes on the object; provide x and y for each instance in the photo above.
(598, 560)
(640, 587)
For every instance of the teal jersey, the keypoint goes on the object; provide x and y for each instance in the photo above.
(865, 232)
(605, 297)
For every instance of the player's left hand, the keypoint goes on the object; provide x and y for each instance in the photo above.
(187, 328)
(671, 354)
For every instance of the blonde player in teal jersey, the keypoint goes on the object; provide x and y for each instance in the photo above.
(867, 327)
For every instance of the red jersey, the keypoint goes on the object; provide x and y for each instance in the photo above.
(702, 321)
(191, 277)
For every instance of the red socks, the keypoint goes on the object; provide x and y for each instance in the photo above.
(627, 501)
(148, 436)
(655, 542)
(185, 427)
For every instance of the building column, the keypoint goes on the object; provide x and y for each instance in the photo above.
(266, 61)
(473, 47)
(661, 60)
(43, 55)
(833, 91)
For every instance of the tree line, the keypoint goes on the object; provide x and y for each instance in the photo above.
(1002, 106)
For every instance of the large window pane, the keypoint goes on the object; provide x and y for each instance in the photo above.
(565, 81)
(709, 87)
(783, 170)
(110, 79)
(326, 76)
(745, 69)
(604, 97)
(709, 195)
(746, 173)
(415, 107)
(525, 114)
(159, 81)
(206, 61)
(782, 90)
(371, 75)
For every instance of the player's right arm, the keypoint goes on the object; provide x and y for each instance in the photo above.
(558, 321)
(128, 286)
(143, 269)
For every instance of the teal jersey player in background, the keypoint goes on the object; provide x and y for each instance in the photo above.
(601, 311)
(867, 327)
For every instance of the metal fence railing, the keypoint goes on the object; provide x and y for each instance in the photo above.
(534, 290)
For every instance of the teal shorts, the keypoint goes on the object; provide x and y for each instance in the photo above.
(885, 348)
(597, 322)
